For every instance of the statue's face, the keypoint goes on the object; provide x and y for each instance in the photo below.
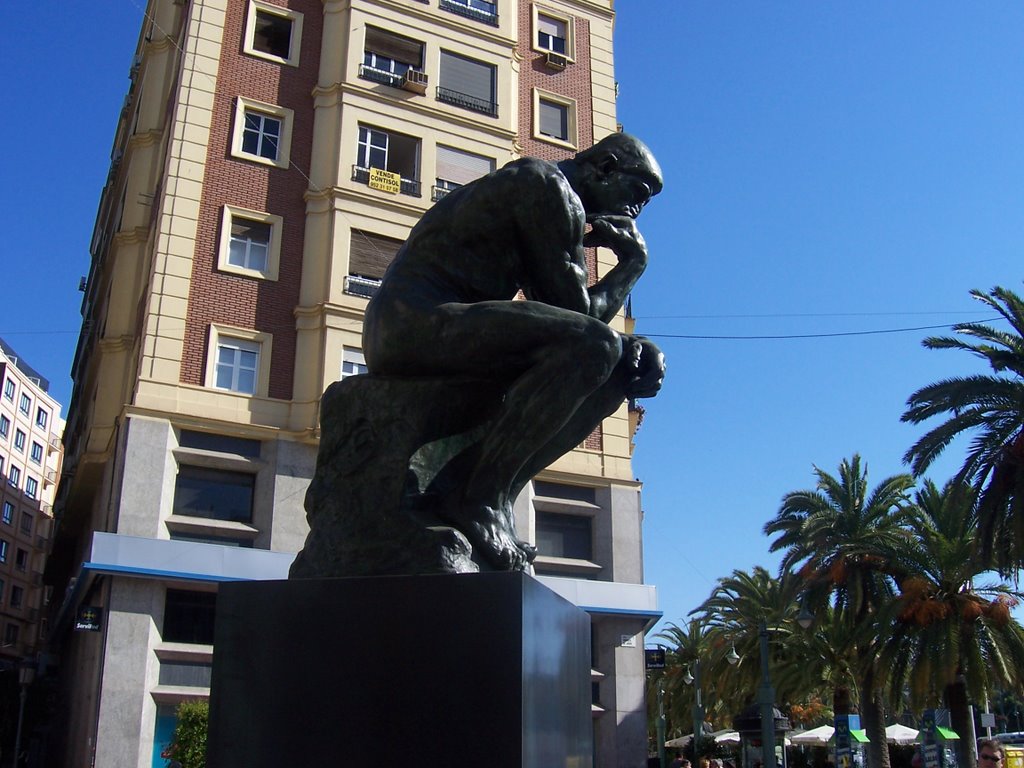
(616, 192)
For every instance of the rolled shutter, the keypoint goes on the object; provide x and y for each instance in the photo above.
(369, 255)
(461, 167)
(394, 46)
(462, 75)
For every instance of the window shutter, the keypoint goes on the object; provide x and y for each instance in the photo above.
(394, 46)
(461, 167)
(554, 119)
(370, 254)
(473, 78)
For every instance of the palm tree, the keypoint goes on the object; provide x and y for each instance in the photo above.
(991, 407)
(688, 648)
(950, 636)
(835, 538)
(731, 616)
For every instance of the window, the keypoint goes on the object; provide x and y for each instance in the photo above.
(368, 258)
(26, 523)
(11, 630)
(3, 551)
(215, 494)
(250, 243)
(21, 559)
(552, 33)
(554, 119)
(31, 487)
(352, 363)
(456, 167)
(387, 57)
(273, 32)
(481, 10)
(42, 416)
(238, 365)
(467, 83)
(37, 453)
(25, 404)
(262, 132)
(9, 389)
(8, 513)
(19, 440)
(388, 151)
(237, 360)
(13, 475)
(188, 617)
(5, 426)
(261, 135)
(560, 535)
(17, 596)
(2, 585)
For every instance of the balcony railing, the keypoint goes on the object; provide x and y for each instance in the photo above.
(466, 101)
(408, 186)
(361, 286)
(380, 76)
(472, 9)
(442, 188)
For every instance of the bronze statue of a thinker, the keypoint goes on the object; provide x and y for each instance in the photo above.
(447, 308)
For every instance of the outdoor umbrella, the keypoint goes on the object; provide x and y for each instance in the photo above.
(900, 734)
(815, 737)
(680, 742)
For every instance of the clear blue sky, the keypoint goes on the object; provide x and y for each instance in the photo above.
(830, 168)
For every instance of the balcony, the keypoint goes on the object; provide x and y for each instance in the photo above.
(408, 186)
(478, 10)
(466, 101)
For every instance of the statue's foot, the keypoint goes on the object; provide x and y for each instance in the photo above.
(490, 531)
(497, 543)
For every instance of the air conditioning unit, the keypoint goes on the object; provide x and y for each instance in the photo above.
(555, 61)
(415, 81)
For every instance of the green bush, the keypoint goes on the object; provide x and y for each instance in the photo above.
(188, 745)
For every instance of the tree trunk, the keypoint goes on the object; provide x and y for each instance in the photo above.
(960, 717)
(872, 718)
(841, 700)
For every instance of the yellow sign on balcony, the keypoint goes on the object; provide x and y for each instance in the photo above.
(385, 181)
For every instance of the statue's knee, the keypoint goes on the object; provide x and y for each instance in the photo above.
(599, 353)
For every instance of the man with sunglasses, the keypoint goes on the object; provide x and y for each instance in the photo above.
(990, 753)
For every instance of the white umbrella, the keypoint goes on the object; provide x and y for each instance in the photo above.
(727, 737)
(900, 734)
(680, 742)
(816, 736)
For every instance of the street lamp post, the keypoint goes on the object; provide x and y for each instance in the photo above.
(661, 725)
(766, 698)
(698, 709)
(26, 673)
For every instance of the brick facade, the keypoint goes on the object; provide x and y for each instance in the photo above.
(217, 297)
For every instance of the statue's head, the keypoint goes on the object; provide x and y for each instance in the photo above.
(618, 175)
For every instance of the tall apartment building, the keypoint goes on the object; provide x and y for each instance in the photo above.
(269, 158)
(30, 464)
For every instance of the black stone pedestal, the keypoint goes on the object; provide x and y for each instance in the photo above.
(444, 671)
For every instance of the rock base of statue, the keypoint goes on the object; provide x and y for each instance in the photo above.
(390, 451)
(489, 669)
